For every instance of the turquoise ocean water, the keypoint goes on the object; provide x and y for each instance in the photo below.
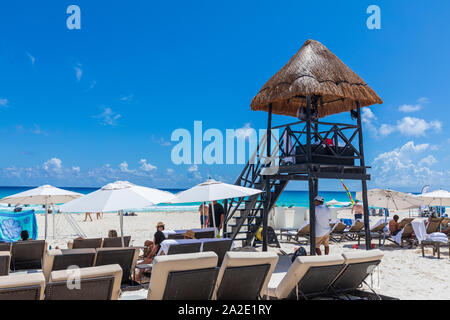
(287, 198)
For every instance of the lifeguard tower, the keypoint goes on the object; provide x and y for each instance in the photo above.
(312, 85)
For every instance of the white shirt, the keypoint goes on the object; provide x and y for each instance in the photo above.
(323, 217)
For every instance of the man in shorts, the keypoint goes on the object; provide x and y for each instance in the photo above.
(323, 217)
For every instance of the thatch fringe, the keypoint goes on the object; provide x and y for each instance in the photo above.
(314, 70)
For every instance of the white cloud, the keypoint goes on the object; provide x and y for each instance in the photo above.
(406, 167)
(161, 141)
(423, 100)
(193, 168)
(54, 165)
(409, 108)
(245, 132)
(369, 119)
(4, 102)
(78, 72)
(386, 129)
(145, 166)
(124, 167)
(93, 84)
(428, 161)
(76, 169)
(37, 130)
(32, 58)
(169, 170)
(410, 126)
(108, 117)
(127, 98)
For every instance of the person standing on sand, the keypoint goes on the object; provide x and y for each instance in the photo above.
(323, 217)
(87, 215)
(219, 214)
(358, 210)
(204, 212)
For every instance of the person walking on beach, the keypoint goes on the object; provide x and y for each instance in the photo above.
(358, 210)
(204, 212)
(87, 215)
(323, 217)
(219, 214)
(99, 215)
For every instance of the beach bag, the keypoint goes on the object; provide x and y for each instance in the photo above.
(300, 252)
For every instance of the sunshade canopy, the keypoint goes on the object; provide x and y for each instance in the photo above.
(45, 194)
(119, 195)
(314, 70)
(436, 198)
(212, 190)
(390, 199)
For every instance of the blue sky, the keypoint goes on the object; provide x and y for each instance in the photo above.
(86, 107)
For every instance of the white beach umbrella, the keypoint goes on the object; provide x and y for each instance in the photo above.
(118, 196)
(43, 195)
(436, 198)
(390, 199)
(333, 202)
(212, 190)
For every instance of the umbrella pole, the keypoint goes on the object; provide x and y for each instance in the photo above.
(213, 216)
(53, 217)
(121, 227)
(203, 218)
(46, 218)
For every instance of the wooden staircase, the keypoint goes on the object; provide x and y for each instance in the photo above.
(245, 215)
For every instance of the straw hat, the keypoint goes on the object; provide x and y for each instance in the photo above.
(190, 234)
(159, 224)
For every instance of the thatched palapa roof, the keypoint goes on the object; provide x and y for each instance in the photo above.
(314, 70)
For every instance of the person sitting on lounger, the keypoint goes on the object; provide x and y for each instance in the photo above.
(323, 217)
(152, 248)
(394, 226)
(112, 233)
(189, 234)
(24, 236)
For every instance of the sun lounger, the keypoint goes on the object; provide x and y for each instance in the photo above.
(27, 254)
(184, 248)
(125, 257)
(22, 286)
(116, 242)
(338, 232)
(175, 236)
(5, 246)
(5, 260)
(434, 225)
(189, 276)
(62, 259)
(92, 243)
(219, 247)
(353, 233)
(406, 233)
(244, 275)
(303, 232)
(307, 277)
(375, 232)
(204, 233)
(95, 283)
(359, 264)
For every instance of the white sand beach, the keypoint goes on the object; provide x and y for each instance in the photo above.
(403, 273)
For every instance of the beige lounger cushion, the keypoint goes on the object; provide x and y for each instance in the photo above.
(163, 265)
(48, 262)
(241, 259)
(358, 256)
(16, 280)
(93, 272)
(282, 284)
(50, 256)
